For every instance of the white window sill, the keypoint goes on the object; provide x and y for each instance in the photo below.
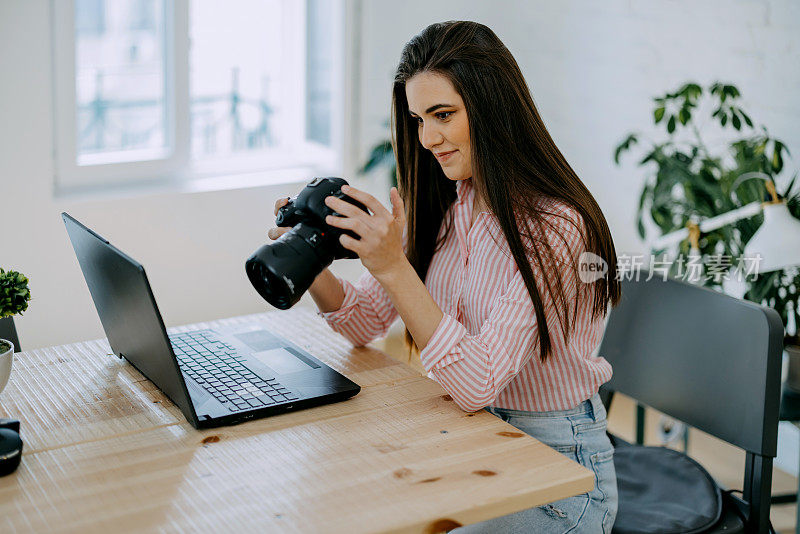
(163, 187)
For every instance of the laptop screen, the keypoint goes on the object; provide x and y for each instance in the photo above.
(128, 311)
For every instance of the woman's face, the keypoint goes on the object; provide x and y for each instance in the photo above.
(442, 122)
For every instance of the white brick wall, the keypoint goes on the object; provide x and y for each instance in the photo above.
(594, 66)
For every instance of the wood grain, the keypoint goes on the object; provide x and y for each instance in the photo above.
(106, 451)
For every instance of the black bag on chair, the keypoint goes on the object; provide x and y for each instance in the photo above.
(649, 479)
(664, 491)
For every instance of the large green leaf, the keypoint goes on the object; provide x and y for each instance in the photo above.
(378, 156)
(624, 145)
(746, 118)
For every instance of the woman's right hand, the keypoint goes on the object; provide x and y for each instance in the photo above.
(276, 232)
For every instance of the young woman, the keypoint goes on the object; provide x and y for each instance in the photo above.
(479, 256)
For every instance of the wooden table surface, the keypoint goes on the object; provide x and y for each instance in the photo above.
(105, 450)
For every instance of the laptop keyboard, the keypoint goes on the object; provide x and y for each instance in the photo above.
(218, 368)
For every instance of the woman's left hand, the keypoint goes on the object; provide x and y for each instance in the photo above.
(381, 245)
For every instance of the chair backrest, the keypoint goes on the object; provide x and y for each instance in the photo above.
(709, 360)
(700, 356)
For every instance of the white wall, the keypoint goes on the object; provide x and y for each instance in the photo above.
(592, 69)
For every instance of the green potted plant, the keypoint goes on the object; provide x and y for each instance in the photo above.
(382, 155)
(14, 297)
(690, 179)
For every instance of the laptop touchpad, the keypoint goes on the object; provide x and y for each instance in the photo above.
(259, 340)
(281, 361)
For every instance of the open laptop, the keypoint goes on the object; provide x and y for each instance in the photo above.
(215, 376)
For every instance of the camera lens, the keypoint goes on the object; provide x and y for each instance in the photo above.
(282, 271)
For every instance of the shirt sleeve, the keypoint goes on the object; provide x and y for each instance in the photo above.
(474, 369)
(366, 313)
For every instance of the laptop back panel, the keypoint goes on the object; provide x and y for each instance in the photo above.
(127, 309)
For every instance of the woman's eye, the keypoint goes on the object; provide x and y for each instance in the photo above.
(442, 115)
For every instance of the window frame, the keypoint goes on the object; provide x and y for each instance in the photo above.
(174, 164)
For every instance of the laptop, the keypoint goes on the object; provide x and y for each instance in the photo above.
(216, 376)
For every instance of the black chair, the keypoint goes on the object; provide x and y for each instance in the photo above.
(709, 360)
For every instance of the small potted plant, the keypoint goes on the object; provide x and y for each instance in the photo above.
(14, 297)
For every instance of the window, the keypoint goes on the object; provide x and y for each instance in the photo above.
(176, 90)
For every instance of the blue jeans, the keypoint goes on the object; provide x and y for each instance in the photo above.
(580, 435)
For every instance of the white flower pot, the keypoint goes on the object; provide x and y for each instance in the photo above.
(6, 359)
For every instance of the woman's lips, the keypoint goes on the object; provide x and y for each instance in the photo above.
(444, 156)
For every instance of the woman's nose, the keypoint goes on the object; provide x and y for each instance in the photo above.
(430, 136)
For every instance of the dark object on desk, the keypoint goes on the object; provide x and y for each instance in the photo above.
(10, 446)
(7, 331)
(216, 377)
(711, 361)
(282, 271)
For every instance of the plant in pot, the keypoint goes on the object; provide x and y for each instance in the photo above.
(691, 179)
(14, 297)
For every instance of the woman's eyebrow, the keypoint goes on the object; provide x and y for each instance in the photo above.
(434, 108)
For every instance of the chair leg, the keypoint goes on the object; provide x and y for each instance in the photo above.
(639, 424)
(784, 498)
(757, 489)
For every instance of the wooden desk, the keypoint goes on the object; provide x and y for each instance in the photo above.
(106, 451)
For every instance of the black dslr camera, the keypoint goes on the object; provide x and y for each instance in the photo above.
(282, 271)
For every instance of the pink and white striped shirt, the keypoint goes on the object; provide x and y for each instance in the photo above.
(485, 350)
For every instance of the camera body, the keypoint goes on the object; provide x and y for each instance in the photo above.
(308, 209)
(282, 271)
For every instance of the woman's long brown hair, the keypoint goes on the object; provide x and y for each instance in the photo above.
(515, 166)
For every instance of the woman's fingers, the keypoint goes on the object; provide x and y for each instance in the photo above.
(366, 199)
(275, 233)
(280, 203)
(347, 223)
(351, 244)
(345, 208)
(398, 207)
